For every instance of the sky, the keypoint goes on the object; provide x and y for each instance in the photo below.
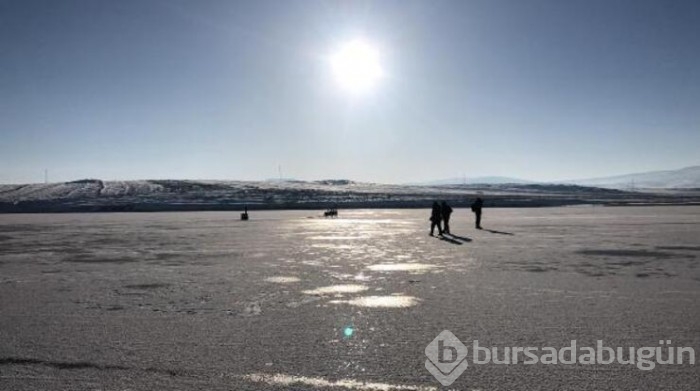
(173, 89)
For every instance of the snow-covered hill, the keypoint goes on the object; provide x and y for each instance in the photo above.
(482, 180)
(685, 178)
(155, 195)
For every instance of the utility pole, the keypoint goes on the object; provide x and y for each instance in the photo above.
(46, 176)
(279, 171)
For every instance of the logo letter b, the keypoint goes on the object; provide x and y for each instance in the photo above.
(441, 353)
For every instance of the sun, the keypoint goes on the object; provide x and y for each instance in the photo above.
(356, 66)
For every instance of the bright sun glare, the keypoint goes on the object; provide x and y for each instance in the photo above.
(356, 66)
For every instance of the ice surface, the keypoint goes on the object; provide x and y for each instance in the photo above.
(202, 300)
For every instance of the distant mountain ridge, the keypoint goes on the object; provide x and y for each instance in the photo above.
(684, 178)
(483, 180)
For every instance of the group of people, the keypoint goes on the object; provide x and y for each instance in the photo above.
(440, 216)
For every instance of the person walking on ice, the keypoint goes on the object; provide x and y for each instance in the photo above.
(476, 208)
(445, 212)
(435, 219)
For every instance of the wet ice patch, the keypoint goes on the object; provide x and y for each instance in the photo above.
(333, 245)
(312, 263)
(281, 380)
(283, 279)
(407, 267)
(393, 301)
(338, 237)
(340, 276)
(336, 289)
(361, 277)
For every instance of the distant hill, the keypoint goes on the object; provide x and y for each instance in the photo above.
(94, 195)
(685, 178)
(486, 180)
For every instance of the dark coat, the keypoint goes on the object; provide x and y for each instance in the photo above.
(445, 211)
(436, 214)
(477, 205)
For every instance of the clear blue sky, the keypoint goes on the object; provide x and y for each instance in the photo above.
(534, 89)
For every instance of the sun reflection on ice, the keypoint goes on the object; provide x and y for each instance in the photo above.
(334, 289)
(282, 380)
(408, 267)
(283, 279)
(394, 301)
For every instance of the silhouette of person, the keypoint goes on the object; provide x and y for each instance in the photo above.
(476, 208)
(435, 218)
(445, 212)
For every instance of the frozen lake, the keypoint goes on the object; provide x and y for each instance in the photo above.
(201, 300)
